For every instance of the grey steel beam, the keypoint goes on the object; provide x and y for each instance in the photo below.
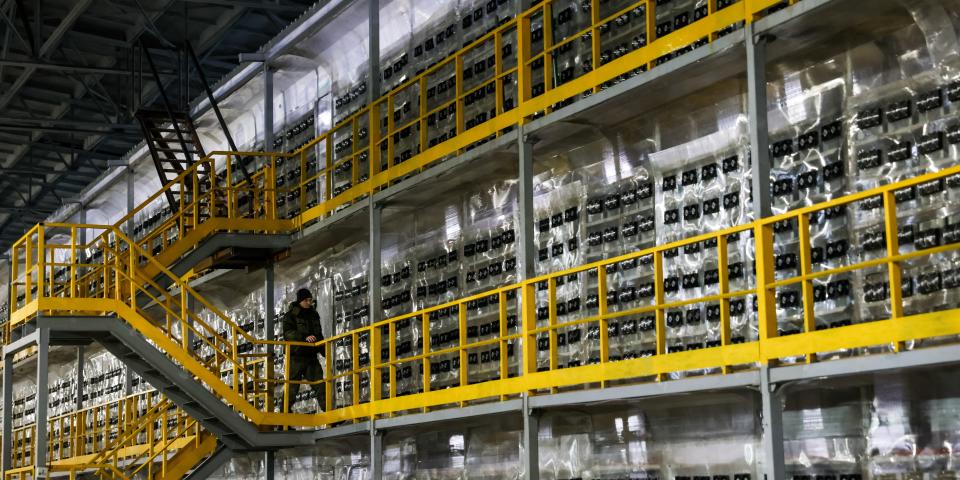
(254, 4)
(7, 433)
(654, 389)
(373, 50)
(60, 67)
(376, 266)
(527, 250)
(348, 430)
(530, 456)
(66, 23)
(451, 414)
(757, 111)
(924, 357)
(42, 395)
(771, 441)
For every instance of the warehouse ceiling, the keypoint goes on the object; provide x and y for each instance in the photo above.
(67, 90)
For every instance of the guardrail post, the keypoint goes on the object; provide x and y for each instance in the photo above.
(772, 466)
(757, 111)
(40, 445)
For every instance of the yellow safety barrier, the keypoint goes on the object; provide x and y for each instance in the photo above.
(527, 371)
(118, 439)
(210, 197)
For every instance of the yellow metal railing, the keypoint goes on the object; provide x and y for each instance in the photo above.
(211, 197)
(536, 363)
(126, 435)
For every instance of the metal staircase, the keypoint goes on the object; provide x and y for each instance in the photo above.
(228, 393)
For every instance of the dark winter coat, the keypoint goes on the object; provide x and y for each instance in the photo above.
(298, 324)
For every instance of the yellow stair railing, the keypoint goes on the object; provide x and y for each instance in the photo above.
(118, 436)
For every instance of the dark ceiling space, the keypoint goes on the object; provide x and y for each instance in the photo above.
(67, 90)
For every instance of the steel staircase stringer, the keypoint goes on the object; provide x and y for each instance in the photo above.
(121, 338)
(212, 464)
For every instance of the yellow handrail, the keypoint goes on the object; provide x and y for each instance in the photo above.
(534, 336)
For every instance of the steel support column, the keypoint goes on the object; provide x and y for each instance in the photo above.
(526, 247)
(40, 447)
(771, 442)
(82, 233)
(757, 110)
(269, 324)
(530, 456)
(79, 378)
(270, 471)
(269, 302)
(131, 204)
(267, 107)
(376, 452)
(375, 214)
(373, 50)
(5, 455)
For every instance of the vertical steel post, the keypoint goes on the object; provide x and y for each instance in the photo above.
(40, 447)
(269, 302)
(79, 377)
(7, 432)
(267, 107)
(531, 443)
(269, 324)
(376, 452)
(373, 50)
(757, 110)
(271, 464)
(82, 237)
(131, 188)
(772, 460)
(375, 214)
(526, 247)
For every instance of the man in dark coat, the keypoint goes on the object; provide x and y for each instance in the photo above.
(301, 323)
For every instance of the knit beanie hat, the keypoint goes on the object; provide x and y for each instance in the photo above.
(303, 294)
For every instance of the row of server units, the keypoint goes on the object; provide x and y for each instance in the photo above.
(900, 426)
(438, 40)
(830, 136)
(442, 37)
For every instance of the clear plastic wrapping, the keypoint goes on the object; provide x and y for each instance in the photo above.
(487, 449)
(708, 435)
(899, 425)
